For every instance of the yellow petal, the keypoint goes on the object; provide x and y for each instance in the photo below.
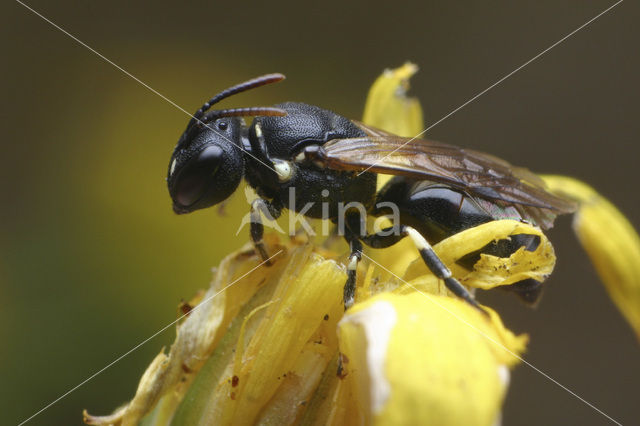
(303, 299)
(436, 361)
(610, 241)
(388, 107)
(492, 271)
(283, 340)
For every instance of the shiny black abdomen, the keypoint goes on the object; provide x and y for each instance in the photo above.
(438, 211)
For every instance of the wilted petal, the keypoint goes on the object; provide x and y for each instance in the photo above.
(197, 334)
(610, 241)
(306, 295)
(388, 107)
(271, 357)
(491, 271)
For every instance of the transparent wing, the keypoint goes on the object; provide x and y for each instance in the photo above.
(476, 173)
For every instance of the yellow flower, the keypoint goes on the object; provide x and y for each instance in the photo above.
(265, 350)
(272, 345)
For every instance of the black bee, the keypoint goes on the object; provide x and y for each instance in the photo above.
(331, 161)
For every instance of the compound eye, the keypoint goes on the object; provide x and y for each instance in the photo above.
(223, 125)
(194, 178)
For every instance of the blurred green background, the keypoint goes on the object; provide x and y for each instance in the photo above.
(93, 261)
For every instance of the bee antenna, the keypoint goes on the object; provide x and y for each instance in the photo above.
(244, 112)
(238, 88)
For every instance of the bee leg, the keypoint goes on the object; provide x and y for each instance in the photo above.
(438, 268)
(387, 238)
(352, 267)
(257, 228)
(354, 227)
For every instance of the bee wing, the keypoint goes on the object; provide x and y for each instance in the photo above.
(474, 172)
